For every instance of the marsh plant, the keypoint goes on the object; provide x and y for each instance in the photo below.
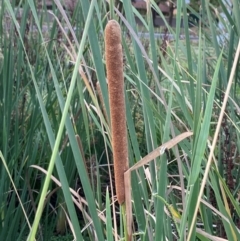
(87, 104)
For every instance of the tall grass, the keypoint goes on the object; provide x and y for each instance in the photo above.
(182, 118)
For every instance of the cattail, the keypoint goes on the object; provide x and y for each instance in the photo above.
(114, 65)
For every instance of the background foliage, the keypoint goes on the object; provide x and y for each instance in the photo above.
(55, 109)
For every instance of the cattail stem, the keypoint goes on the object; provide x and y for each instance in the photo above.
(114, 65)
(100, 95)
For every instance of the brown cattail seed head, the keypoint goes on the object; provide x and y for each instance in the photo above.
(114, 64)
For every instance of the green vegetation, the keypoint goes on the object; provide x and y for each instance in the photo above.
(182, 116)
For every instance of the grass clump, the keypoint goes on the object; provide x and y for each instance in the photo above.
(179, 121)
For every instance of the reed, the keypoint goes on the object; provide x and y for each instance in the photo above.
(114, 65)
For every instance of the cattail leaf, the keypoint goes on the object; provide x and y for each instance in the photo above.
(160, 150)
